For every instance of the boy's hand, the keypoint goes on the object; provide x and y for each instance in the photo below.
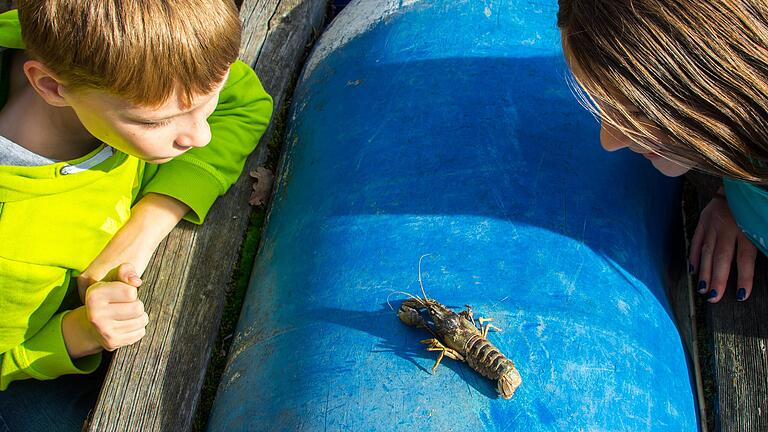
(716, 240)
(103, 269)
(112, 317)
(125, 273)
(114, 309)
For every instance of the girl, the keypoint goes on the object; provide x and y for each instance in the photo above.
(685, 84)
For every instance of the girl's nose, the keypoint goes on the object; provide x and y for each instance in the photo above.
(612, 139)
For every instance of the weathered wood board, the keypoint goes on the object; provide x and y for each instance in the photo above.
(155, 384)
(739, 333)
(735, 361)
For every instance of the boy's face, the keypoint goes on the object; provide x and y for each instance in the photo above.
(153, 134)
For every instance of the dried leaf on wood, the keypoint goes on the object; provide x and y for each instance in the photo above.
(262, 185)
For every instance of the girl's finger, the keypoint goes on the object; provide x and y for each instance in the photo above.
(118, 292)
(695, 252)
(745, 263)
(721, 267)
(705, 261)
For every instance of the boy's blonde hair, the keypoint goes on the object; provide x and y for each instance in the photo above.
(697, 69)
(141, 50)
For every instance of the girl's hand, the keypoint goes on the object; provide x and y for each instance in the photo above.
(716, 240)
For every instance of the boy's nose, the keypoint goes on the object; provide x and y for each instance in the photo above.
(198, 135)
(612, 139)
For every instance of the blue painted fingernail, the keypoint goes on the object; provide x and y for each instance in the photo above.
(702, 287)
(690, 268)
(712, 294)
(741, 294)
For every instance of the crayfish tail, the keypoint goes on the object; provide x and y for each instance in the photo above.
(508, 383)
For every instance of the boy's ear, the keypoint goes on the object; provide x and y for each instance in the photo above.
(45, 83)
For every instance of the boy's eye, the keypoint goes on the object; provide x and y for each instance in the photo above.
(153, 125)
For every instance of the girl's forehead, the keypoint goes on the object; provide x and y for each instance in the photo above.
(606, 96)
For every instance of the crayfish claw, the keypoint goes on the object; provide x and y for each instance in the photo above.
(410, 316)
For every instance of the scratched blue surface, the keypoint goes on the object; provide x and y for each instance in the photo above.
(448, 128)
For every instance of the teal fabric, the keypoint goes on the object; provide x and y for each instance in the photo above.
(749, 205)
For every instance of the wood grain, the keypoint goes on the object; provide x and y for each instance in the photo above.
(739, 335)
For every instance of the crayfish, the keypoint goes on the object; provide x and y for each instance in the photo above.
(460, 337)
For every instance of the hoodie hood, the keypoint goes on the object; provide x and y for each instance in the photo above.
(10, 30)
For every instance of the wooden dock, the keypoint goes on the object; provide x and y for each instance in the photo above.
(732, 338)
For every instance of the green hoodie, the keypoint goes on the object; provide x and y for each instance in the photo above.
(55, 219)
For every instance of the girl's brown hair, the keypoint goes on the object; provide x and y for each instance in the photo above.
(140, 50)
(698, 70)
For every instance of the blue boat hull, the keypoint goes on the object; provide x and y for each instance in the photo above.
(448, 128)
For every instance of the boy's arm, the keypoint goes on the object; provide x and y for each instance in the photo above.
(200, 175)
(71, 341)
(43, 357)
(152, 218)
(32, 346)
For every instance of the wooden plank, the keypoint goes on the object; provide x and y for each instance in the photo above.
(155, 384)
(736, 334)
(684, 299)
(739, 332)
(676, 281)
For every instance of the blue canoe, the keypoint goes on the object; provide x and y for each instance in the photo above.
(448, 128)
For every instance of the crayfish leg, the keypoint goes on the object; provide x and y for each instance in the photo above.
(435, 345)
(486, 327)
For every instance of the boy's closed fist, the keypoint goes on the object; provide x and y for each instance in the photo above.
(114, 310)
(113, 315)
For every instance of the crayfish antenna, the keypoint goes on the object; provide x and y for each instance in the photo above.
(401, 292)
(426, 299)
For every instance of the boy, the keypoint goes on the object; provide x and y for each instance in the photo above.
(117, 120)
